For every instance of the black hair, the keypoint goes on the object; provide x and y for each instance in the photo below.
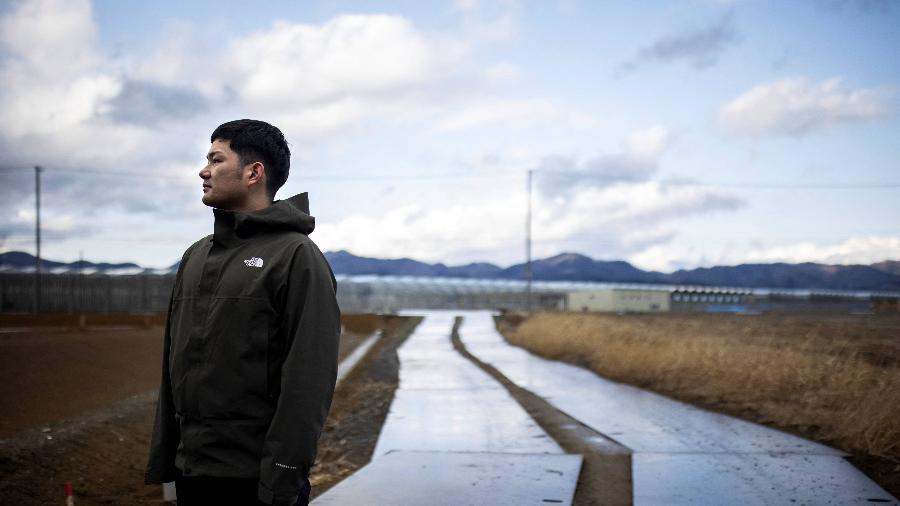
(258, 141)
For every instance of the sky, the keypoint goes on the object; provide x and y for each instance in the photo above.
(667, 134)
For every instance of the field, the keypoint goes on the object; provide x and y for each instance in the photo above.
(832, 378)
(79, 404)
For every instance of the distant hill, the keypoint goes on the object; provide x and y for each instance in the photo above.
(21, 261)
(576, 267)
(343, 262)
(781, 275)
(883, 276)
(889, 266)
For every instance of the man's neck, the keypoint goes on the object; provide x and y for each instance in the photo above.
(254, 203)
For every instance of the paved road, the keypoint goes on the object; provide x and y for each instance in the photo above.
(454, 436)
(681, 454)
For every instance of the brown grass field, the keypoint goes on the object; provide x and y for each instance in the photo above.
(829, 377)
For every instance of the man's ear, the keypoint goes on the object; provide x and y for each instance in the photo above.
(257, 171)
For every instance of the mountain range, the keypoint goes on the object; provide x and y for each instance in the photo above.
(881, 276)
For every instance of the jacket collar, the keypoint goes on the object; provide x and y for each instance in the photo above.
(233, 227)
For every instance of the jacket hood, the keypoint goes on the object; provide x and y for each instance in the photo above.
(291, 214)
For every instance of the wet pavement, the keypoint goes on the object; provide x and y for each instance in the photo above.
(454, 435)
(682, 454)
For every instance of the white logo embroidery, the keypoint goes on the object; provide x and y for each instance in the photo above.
(254, 262)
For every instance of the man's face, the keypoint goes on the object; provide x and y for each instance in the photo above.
(223, 177)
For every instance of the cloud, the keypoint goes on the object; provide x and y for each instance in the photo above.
(68, 105)
(503, 72)
(855, 250)
(798, 106)
(491, 21)
(601, 222)
(64, 102)
(701, 46)
(472, 231)
(146, 103)
(52, 79)
(513, 113)
(637, 160)
(863, 250)
(298, 64)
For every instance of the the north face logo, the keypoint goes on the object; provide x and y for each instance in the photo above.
(254, 262)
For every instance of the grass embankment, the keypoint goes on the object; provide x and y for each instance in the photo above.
(833, 378)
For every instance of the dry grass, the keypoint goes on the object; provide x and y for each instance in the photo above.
(362, 322)
(835, 378)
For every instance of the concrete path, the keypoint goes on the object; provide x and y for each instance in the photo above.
(682, 454)
(356, 355)
(453, 435)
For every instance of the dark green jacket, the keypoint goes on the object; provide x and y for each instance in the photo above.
(250, 354)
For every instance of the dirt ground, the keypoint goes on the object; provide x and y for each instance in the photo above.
(79, 405)
(51, 375)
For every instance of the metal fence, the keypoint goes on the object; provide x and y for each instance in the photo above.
(149, 293)
(77, 293)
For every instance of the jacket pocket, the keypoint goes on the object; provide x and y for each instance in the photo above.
(234, 383)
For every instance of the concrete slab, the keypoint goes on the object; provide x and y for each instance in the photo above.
(454, 436)
(456, 479)
(715, 458)
(446, 403)
(641, 420)
(461, 420)
(750, 479)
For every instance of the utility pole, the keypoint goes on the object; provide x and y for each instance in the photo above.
(37, 237)
(528, 273)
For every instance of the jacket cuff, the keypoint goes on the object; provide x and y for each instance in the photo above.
(266, 496)
(156, 476)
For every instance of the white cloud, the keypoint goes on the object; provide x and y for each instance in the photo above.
(636, 160)
(491, 21)
(66, 104)
(863, 250)
(798, 106)
(472, 232)
(514, 113)
(350, 55)
(632, 210)
(601, 222)
(855, 250)
(503, 72)
(53, 79)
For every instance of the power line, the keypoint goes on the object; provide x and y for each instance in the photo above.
(753, 185)
(22, 238)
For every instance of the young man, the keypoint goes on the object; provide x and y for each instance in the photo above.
(250, 354)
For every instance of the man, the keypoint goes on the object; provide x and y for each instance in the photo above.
(250, 353)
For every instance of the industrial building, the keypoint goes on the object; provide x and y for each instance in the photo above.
(655, 299)
(619, 300)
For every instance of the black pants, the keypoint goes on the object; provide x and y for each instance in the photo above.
(207, 491)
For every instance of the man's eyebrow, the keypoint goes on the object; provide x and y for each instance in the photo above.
(211, 153)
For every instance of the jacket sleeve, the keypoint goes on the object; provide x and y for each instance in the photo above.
(312, 322)
(166, 434)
